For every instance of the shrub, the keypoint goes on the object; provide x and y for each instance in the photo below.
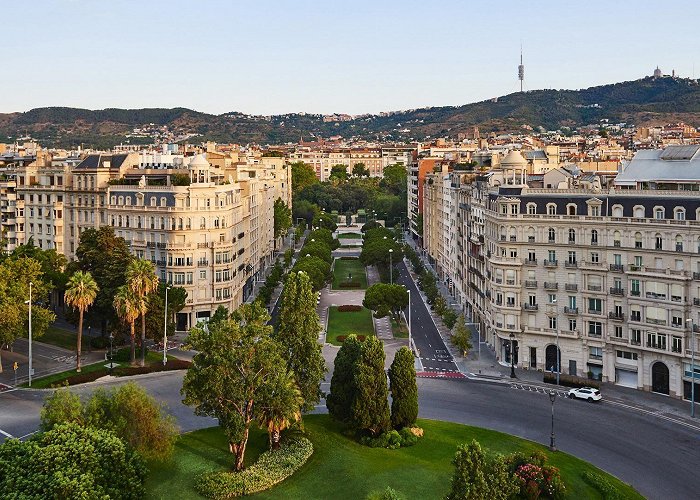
(569, 380)
(535, 478)
(171, 364)
(349, 308)
(345, 257)
(350, 284)
(606, 490)
(271, 468)
(341, 338)
(391, 440)
(386, 494)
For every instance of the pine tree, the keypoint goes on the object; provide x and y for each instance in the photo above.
(404, 390)
(370, 408)
(476, 477)
(343, 387)
(297, 333)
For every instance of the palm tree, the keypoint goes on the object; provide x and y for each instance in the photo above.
(80, 294)
(281, 408)
(128, 308)
(142, 280)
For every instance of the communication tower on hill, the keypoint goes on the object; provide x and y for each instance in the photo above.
(521, 69)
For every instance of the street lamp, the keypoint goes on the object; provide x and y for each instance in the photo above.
(558, 351)
(512, 356)
(111, 339)
(391, 266)
(552, 399)
(692, 367)
(165, 327)
(29, 303)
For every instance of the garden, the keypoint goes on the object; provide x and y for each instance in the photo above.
(349, 273)
(347, 320)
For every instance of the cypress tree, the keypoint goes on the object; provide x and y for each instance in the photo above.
(343, 387)
(404, 390)
(370, 409)
(297, 333)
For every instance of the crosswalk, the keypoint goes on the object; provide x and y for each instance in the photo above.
(64, 359)
(541, 390)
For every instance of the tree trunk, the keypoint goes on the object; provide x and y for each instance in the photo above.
(238, 449)
(275, 439)
(80, 341)
(143, 339)
(133, 343)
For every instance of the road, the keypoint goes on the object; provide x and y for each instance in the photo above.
(658, 457)
(432, 350)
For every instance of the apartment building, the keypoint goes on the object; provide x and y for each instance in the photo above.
(586, 278)
(322, 160)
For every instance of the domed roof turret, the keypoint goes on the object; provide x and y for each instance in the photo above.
(513, 159)
(199, 161)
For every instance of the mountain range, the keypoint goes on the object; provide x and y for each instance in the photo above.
(646, 101)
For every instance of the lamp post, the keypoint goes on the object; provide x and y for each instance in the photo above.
(165, 327)
(89, 338)
(410, 345)
(552, 399)
(512, 356)
(29, 303)
(692, 367)
(391, 266)
(111, 339)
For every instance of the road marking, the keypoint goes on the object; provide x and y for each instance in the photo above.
(6, 434)
(27, 435)
(653, 413)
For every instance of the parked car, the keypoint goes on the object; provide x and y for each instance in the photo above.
(588, 393)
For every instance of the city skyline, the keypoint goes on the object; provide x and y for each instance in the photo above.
(270, 58)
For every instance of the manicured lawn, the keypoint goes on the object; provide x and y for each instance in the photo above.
(346, 323)
(61, 338)
(58, 378)
(344, 266)
(349, 236)
(399, 330)
(340, 468)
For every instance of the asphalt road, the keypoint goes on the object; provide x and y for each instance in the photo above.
(659, 458)
(432, 350)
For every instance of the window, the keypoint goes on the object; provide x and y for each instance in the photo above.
(571, 209)
(202, 275)
(626, 355)
(572, 325)
(551, 209)
(572, 301)
(637, 240)
(551, 298)
(617, 211)
(679, 243)
(595, 257)
(572, 257)
(531, 208)
(551, 255)
(552, 322)
(679, 213)
(658, 213)
(552, 234)
(636, 336)
(635, 314)
(658, 242)
(595, 305)
(677, 344)
(595, 210)
(616, 239)
(572, 236)
(596, 353)
(618, 332)
(595, 328)
(638, 212)
(594, 237)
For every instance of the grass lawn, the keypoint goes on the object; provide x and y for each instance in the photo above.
(346, 323)
(349, 236)
(61, 338)
(399, 330)
(344, 266)
(340, 468)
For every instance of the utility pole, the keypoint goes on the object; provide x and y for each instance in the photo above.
(30, 334)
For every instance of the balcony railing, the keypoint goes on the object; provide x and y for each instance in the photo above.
(530, 283)
(571, 264)
(654, 321)
(617, 268)
(617, 290)
(530, 262)
(530, 307)
(654, 295)
(594, 288)
(594, 311)
(570, 310)
(634, 293)
(551, 285)
(571, 287)
(550, 263)
(617, 316)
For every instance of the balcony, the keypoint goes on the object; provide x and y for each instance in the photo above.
(202, 263)
(654, 295)
(634, 293)
(530, 283)
(618, 268)
(571, 264)
(656, 345)
(513, 239)
(654, 321)
(594, 311)
(570, 310)
(616, 316)
(636, 316)
(530, 262)
(503, 237)
(571, 287)
(530, 307)
(550, 263)
(595, 288)
(617, 290)
(616, 243)
(551, 285)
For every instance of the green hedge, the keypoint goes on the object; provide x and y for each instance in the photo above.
(607, 490)
(569, 380)
(271, 468)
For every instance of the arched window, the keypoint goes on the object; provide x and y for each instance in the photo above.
(153, 201)
(616, 238)
(637, 240)
(113, 223)
(128, 201)
(531, 208)
(113, 200)
(120, 221)
(551, 209)
(594, 237)
(658, 242)
(679, 243)
(552, 235)
(531, 234)
(572, 236)
(126, 220)
(617, 211)
(638, 212)
(162, 201)
(512, 234)
(679, 213)
(658, 213)
(121, 200)
(138, 222)
(153, 222)
(571, 209)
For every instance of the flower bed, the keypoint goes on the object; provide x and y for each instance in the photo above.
(349, 308)
(271, 468)
(341, 338)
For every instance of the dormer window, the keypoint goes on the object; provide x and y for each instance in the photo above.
(679, 213)
(551, 209)
(659, 213)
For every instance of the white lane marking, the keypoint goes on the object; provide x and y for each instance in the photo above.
(653, 413)
(27, 435)
(6, 434)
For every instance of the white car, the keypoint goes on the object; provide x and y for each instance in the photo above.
(588, 393)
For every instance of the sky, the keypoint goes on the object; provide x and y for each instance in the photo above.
(331, 56)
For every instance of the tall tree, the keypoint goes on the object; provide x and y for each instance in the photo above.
(128, 307)
(462, 337)
(318, 270)
(80, 294)
(235, 369)
(386, 299)
(339, 172)
(404, 390)
(303, 175)
(370, 409)
(106, 257)
(142, 280)
(281, 407)
(15, 277)
(282, 218)
(298, 329)
(359, 170)
(343, 384)
(476, 477)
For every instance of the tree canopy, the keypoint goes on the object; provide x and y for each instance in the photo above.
(385, 299)
(282, 218)
(303, 175)
(404, 390)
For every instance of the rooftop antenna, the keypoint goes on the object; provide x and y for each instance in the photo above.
(521, 68)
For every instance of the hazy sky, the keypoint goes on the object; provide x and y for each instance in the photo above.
(271, 57)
